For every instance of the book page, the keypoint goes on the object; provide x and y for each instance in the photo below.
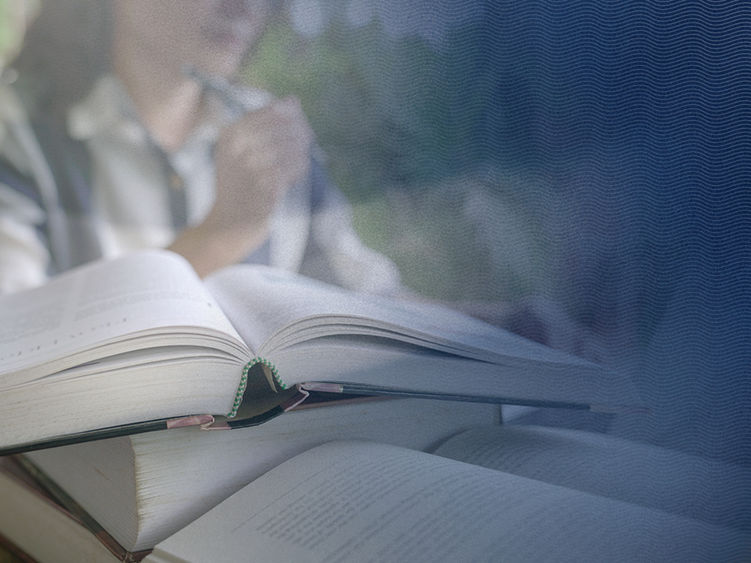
(101, 303)
(609, 466)
(272, 309)
(360, 502)
(35, 523)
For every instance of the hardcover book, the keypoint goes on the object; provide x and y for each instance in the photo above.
(141, 343)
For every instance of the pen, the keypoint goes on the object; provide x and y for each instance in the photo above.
(237, 105)
(223, 89)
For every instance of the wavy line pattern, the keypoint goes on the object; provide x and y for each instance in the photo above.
(636, 120)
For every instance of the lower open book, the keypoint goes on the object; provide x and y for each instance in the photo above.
(489, 493)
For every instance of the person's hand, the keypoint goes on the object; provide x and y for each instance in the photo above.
(258, 158)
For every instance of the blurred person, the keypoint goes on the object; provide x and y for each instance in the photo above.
(122, 149)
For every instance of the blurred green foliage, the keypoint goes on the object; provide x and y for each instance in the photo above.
(6, 32)
(412, 134)
(14, 16)
(403, 110)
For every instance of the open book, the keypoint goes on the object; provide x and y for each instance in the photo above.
(489, 493)
(358, 501)
(141, 343)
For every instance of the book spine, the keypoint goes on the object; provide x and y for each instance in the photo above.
(244, 381)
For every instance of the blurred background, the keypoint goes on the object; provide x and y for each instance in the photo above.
(596, 154)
